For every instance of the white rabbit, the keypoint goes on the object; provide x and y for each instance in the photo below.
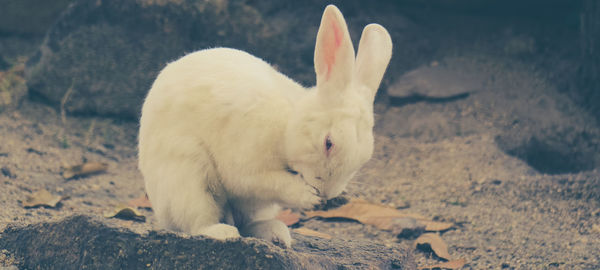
(225, 139)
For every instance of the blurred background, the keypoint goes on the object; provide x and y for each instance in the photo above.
(110, 51)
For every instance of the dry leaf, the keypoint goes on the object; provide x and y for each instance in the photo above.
(364, 212)
(453, 264)
(407, 227)
(437, 244)
(288, 217)
(141, 202)
(42, 198)
(84, 169)
(435, 226)
(309, 232)
(379, 216)
(125, 212)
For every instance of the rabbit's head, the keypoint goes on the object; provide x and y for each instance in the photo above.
(330, 135)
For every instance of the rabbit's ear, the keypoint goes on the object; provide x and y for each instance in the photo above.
(374, 53)
(334, 54)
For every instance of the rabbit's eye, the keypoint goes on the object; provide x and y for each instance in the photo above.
(328, 145)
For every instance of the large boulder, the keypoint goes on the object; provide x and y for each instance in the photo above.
(12, 88)
(109, 52)
(80, 242)
(589, 79)
(30, 17)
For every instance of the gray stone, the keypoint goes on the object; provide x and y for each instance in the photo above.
(438, 80)
(12, 88)
(109, 52)
(29, 16)
(80, 242)
(589, 74)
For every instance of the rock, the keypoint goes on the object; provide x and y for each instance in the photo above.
(29, 16)
(5, 171)
(80, 242)
(3, 63)
(109, 52)
(408, 228)
(589, 74)
(12, 88)
(7, 262)
(439, 80)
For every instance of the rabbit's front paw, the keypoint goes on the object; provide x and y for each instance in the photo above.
(310, 197)
(271, 230)
(302, 196)
(220, 231)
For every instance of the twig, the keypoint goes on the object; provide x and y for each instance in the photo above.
(63, 114)
(89, 133)
(63, 101)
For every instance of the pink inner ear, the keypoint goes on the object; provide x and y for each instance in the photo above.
(330, 47)
(337, 33)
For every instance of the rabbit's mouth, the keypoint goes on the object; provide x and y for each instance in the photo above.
(316, 181)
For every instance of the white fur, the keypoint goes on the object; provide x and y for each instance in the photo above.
(221, 132)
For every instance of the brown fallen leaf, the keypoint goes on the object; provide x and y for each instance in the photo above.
(140, 202)
(379, 216)
(309, 232)
(364, 212)
(435, 226)
(42, 198)
(125, 212)
(84, 169)
(407, 228)
(453, 264)
(435, 242)
(288, 217)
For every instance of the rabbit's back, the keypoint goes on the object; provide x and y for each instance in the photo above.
(222, 79)
(223, 101)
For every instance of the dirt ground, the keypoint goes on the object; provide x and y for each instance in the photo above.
(445, 160)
